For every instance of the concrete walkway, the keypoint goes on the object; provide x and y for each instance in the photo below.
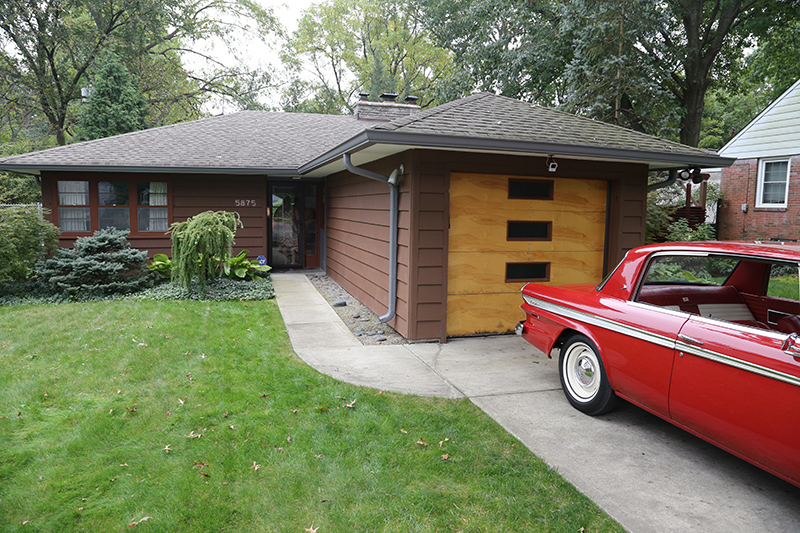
(644, 472)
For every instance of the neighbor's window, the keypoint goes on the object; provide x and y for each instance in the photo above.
(84, 206)
(773, 183)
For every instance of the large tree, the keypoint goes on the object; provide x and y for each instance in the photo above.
(114, 105)
(621, 60)
(341, 48)
(48, 47)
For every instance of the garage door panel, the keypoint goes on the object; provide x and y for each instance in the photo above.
(480, 300)
(481, 273)
(491, 190)
(474, 314)
(578, 231)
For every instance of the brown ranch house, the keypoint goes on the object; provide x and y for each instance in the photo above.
(432, 218)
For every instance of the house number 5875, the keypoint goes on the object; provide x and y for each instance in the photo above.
(245, 203)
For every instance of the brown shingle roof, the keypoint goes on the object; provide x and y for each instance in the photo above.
(498, 117)
(261, 142)
(244, 140)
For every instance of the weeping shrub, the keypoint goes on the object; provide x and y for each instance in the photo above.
(202, 245)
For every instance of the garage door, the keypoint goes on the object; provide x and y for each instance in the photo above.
(506, 231)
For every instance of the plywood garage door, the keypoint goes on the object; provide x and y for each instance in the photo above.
(479, 299)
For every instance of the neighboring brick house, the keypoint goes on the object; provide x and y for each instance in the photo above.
(435, 217)
(761, 190)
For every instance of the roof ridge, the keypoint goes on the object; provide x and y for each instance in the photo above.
(427, 113)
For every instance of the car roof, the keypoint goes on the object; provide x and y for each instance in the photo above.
(766, 249)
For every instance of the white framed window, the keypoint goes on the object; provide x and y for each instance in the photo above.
(137, 206)
(773, 183)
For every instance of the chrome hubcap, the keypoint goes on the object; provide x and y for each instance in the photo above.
(581, 370)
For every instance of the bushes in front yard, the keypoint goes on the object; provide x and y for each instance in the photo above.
(101, 265)
(25, 238)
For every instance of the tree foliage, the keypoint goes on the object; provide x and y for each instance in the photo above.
(202, 245)
(115, 105)
(48, 47)
(369, 46)
(25, 238)
(644, 65)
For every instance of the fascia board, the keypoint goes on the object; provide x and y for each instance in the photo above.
(656, 160)
(38, 169)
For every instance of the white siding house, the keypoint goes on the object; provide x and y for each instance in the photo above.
(762, 189)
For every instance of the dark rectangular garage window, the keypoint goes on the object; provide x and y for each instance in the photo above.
(527, 272)
(526, 230)
(520, 189)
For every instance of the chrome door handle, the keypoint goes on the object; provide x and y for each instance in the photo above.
(790, 345)
(690, 340)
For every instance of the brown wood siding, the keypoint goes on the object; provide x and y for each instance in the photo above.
(189, 195)
(431, 174)
(357, 240)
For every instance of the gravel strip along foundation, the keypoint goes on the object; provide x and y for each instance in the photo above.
(362, 322)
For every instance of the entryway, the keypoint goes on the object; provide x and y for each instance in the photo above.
(296, 220)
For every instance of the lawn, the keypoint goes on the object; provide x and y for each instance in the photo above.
(198, 416)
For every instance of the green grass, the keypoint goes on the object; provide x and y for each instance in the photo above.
(197, 416)
(784, 287)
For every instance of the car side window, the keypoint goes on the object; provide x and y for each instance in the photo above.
(690, 269)
(784, 282)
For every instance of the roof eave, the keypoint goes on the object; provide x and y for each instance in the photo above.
(655, 159)
(36, 170)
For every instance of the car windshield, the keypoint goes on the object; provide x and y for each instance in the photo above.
(690, 269)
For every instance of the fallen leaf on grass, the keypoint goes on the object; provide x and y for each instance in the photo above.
(193, 435)
(255, 466)
(167, 448)
(445, 457)
(421, 442)
(403, 430)
(134, 524)
(441, 442)
(311, 529)
(201, 464)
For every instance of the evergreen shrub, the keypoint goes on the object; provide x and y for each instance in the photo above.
(101, 265)
(25, 238)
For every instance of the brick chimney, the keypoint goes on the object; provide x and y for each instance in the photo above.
(386, 110)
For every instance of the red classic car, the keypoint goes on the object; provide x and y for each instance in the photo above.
(702, 334)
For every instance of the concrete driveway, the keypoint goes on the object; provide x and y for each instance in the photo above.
(644, 472)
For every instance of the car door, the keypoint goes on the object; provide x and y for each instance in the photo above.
(739, 386)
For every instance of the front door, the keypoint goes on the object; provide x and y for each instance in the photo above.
(294, 230)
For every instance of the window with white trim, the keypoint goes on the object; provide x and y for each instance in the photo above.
(137, 206)
(773, 183)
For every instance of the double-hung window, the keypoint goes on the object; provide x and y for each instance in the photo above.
(136, 206)
(773, 183)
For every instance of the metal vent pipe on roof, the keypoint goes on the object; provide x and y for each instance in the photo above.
(394, 200)
(389, 97)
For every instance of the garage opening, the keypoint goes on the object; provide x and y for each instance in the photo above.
(508, 230)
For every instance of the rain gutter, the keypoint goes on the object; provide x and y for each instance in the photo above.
(673, 176)
(394, 200)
